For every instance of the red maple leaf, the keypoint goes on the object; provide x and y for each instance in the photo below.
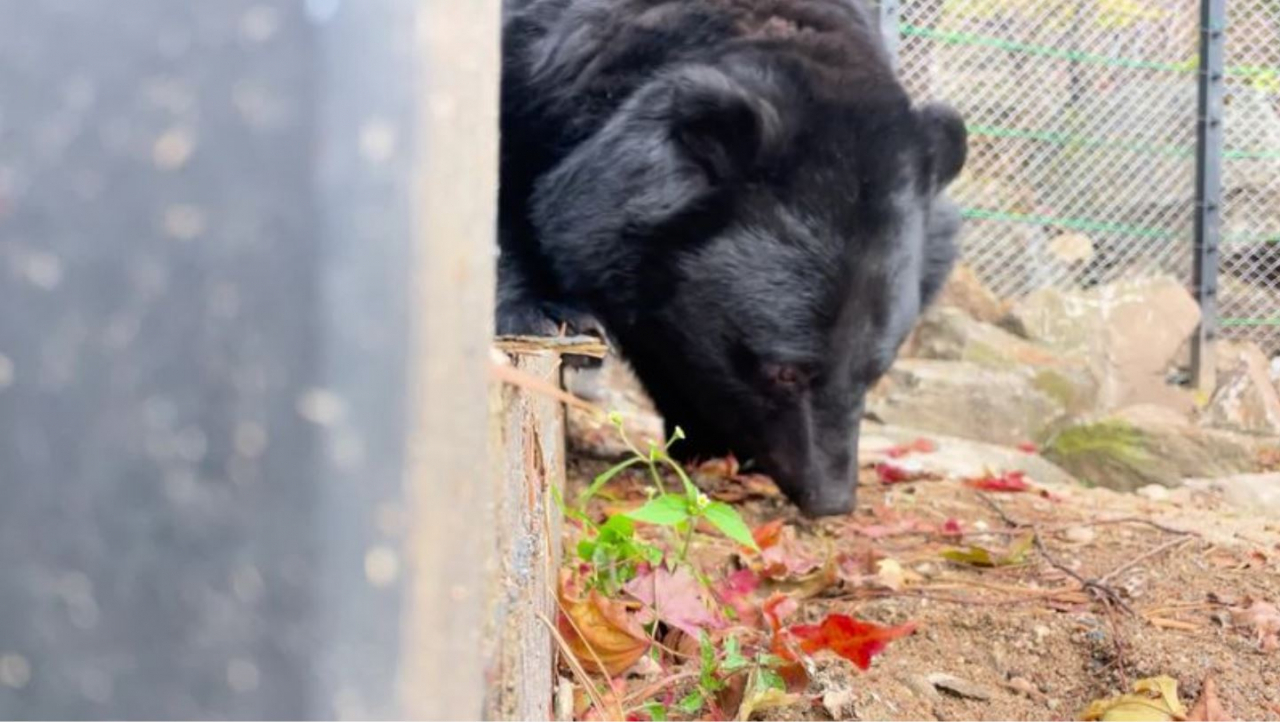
(919, 446)
(777, 607)
(767, 535)
(1029, 447)
(855, 640)
(1009, 481)
(893, 474)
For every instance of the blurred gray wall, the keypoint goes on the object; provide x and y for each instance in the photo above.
(228, 232)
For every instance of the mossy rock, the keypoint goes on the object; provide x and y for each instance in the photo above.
(1123, 454)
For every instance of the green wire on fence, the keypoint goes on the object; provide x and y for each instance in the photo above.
(988, 41)
(1097, 225)
(1084, 141)
(1248, 322)
(1075, 224)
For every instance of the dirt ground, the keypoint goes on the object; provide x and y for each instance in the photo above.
(1121, 587)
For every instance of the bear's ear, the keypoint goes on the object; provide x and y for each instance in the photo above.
(721, 125)
(948, 141)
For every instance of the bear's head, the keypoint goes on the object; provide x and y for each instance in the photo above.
(760, 246)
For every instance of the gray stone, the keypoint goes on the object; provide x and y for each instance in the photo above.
(1128, 333)
(949, 334)
(966, 292)
(954, 457)
(1253, 494)
(965, 399)
(1246, 399)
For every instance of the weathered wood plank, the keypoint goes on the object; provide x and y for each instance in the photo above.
(529, 443)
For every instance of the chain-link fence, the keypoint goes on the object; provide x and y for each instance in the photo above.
(1082, 115)
(1249, 299)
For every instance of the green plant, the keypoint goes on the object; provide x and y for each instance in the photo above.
(679, 511)
(717, 667)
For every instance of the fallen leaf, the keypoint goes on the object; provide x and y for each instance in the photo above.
(982, 557)
(768, 535)
(952, 528)
(1154, 699)
(1264, 619)
(789, 566)
(890, 474)
(1009, 481)
(1208, 708)
(765, 698)
(724, 468)
(919, 446)
(677, 598)
(777, 608)
(595, 627)
(1028, 447)
(855, 640)
(735, 592)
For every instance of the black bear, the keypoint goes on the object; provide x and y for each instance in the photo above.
(742, 195)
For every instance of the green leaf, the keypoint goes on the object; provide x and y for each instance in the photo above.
(692, 703)
(733, 659)
(1018, 552)
(598, 483)
(975, 555)
(586, 549)
(618, 528)
(657, 712)
(665, 510)
(769, 679)
(726, 519)
(708, 679)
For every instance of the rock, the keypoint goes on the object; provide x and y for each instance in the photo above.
(959, 687)
(1154, 492)
(964, 399)
(967, 292)
(612, 387)
(1145, 445)
(1254, 494)
(949, 334)
(1081, 534)
(1246, 399)
(1072, 248)
(1128, 333)
(956, 458)
(923, 687)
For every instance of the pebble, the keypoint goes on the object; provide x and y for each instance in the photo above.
(923, 687)
(959, 687)
(1080, 535)
(1154, 492)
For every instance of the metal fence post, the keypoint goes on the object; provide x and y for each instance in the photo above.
(888, 15)
(1208, 231)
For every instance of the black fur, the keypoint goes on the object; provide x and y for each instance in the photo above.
(742, 194)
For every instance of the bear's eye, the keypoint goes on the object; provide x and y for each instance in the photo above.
(784, 377)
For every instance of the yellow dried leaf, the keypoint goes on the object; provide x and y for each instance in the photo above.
(597, 628)
(1208, 708)
(1153, 700)
(890, 575)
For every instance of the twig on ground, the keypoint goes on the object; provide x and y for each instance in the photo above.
(656, 687)
(1102, 591)
(578, 670)
(1172, 543)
